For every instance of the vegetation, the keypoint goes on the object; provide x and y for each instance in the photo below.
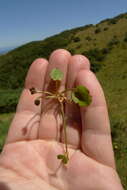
(97, 30)
(107, 53)
(88, 38)
(112, 21)
(106, 28)
(9, 99)
(96, 56)
(76, 39)
(113, 42)
(125, 37)
(5, 120)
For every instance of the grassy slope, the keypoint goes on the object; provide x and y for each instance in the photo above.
(5, 120)
(112, 75)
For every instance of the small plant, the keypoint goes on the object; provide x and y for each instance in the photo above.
(79, 95)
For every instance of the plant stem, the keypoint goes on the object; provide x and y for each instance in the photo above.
(45, 92)
(56, 85)
(68, 89)
(64, 128)
(49, 97)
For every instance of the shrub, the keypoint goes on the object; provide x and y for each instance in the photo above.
(79, 46)
(9, 100)
(97, 30)
(112, 21)
(124, 76)
(88, 38)
(106, 28)
(125, 37)
(105, 50)
(82, 28)
(120, 16)
(76, 39)
(113, 42)
(72, 51)
(95, 67)
(115, 36)
(95, 56)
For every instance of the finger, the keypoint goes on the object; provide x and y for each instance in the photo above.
(50, 120)
(28, 114)
(77, 63)
(96, 138)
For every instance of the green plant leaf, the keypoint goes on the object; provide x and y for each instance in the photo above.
(63, 158)
(56, 74)
(60, 156)
(81, 96)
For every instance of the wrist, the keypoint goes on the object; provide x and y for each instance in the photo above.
(6, 178)
(9, 180)
(113, 181)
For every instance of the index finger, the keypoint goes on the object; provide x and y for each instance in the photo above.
(27, 112)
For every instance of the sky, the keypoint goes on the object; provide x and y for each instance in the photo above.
(22, 21)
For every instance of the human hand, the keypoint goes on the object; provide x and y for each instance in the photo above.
(29, 157)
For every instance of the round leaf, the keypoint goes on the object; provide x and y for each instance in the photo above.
(81, 96)
(63, 158)
(60, 156)
(56, 74)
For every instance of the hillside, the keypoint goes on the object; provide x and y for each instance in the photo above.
(105, 44)
(94, 41)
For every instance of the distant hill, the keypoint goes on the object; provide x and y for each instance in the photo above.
(6, 50)
(105, 44)
(97, 42)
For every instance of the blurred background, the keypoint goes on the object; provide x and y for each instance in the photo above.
(97, 29)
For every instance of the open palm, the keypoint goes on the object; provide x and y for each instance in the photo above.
(35, 138)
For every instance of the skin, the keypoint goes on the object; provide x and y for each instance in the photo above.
(29, 157)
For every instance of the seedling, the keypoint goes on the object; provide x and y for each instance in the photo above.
(78, 95)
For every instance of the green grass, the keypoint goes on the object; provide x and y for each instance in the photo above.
(9, 99)
(119, 136)
(5, 120)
